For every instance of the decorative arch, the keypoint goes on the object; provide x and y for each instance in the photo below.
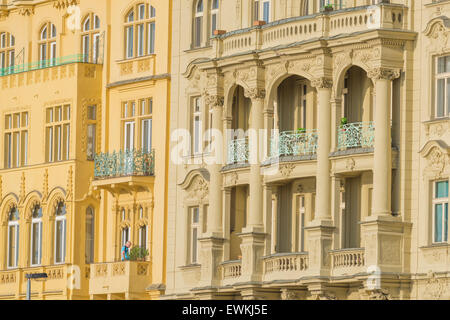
(338, 83)
(196, 184)
(29, 205)
(55, 197)
(9, 202)
(437, 155)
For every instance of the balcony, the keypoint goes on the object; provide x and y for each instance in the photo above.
(346, 262)
(124, 170)
(238, 151)
(323, 25)
(50, 63)
(231, 271)
(121, 280)
(285, 266)
(13, 284)
(356, 135)
(294, 143)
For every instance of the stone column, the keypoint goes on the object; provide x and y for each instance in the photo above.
(323, 183)
(212, 242)
(382, 161)
(320, 230)
(253, 236)
(255, 217)
(214, 226)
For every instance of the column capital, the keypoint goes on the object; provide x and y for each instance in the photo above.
(214, 100)
(255, 93)
(322, 83)
(381, 73)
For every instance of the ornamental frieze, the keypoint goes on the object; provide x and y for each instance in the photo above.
(255, 93)
(322, 83)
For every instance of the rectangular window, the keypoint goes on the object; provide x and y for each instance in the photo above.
(440, 211)
(13, 245)
(128, 144)
(195, 227)
(96, 48)
(125, 236)
(146, 142)
(129, 32)
(57, 134)
(36, 242)
(16, 140)
(266, 11)
(91, 135)
(86, 48)
(60, 240)
(256, 10)
(213, 23)
(52, 53)
(197, 126)
(151, 38)
(442, 84)
(198, 31)
(143, 237)
(140, 40)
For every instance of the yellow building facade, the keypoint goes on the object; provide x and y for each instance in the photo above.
(85, 92)
(331, 181)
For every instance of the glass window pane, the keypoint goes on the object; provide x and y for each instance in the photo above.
(440, 99)
(441, 64)
(266, 7)
(438, 223)
(194, 245)
(445, 222)
(442, 189)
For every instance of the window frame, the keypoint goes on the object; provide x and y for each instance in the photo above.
(63, 245)
(39, 222)
(58, 133)
(16, 149)
(138, 31)
(48, 43)
(92, 34)
(13, 224)
(440, 201)
(194, 225)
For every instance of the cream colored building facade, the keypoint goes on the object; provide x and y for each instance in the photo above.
(350, 197)
(84, 100)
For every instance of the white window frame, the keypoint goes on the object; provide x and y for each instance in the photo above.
(194, 225)
(124, 239)
(147, 134)
(63, 245)
(446, 77)
(15, 225)
(128, 138)
(214, 13)
(198, 25)
(435, 202)
(37, 221)
(143, 245)
(197, 125)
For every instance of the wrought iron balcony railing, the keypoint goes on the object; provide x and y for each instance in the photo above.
(294, 143)
(42, 64)
(124, 163)
(238, 151)
(356, 135)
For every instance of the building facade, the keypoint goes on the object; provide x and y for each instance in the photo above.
(331, 181)
(85, 91)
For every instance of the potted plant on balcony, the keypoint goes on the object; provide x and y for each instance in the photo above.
(138, 254)
(328, 7)
(344, 121)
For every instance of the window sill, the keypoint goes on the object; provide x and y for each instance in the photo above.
(190, 266)
(436, 120)
(136, 58)
(198, 49)
(436, 246)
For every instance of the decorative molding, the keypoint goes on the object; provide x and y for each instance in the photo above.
(322, 83)
(62, 4)
(255, 93)
(381, 73)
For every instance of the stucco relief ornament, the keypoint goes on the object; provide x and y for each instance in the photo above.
(380, 294)
(62, 4)
(255, 93)
(233, 178)
(199, 189)
(350, 164)
(437, 162)
(288, 295)
(435, 287)
(322, 83)
(214, 100)
(22, 188)
(287, 169)
(383, 73)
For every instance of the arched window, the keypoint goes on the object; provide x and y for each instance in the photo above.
(214, 15)
(90, 235)
(90, 38)
(36, 235)
(60, 232)
(47, 45)
(140, 31)
(198, 24)
(7, 53)
(13, 237)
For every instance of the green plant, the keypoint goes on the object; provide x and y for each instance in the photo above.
(328, 7)
(344, 121)
(301, 130)
(138, 253)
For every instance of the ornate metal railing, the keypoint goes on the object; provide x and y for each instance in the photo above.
(286, 263)
(238, 151)
(42, 64)
(124, 163)
(294, 143)
(356, 135)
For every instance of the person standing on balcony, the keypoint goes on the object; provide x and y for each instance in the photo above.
(125, 251)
